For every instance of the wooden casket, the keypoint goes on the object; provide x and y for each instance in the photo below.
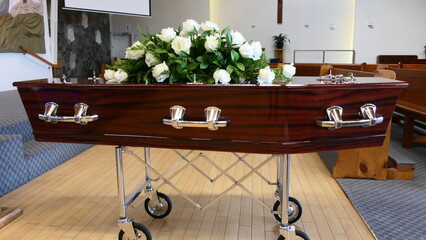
(237, 118)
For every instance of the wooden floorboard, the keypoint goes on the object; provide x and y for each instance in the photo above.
(78, 200)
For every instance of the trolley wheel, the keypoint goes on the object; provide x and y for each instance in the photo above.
(141, 232)
(161, 210)
(299, 235)
(294, 212)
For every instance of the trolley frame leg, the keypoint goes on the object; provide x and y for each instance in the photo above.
(149, 189)
(124, 222)
(287, 231)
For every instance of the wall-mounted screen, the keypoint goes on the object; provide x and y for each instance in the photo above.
(123, 7)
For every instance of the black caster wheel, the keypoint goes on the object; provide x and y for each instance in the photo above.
(141, 232)
(161, 210)
(294, 213)
(299, 235)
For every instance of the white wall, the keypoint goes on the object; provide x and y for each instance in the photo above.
(319, 14)
(398, 25)
(19, 67)
(165, 13)
(398, 28)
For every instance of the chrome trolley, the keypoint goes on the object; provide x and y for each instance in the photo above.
(159, 205)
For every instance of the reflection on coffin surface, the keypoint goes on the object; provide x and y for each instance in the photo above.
(245, 118)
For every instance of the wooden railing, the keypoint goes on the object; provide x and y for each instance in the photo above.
(55, 67)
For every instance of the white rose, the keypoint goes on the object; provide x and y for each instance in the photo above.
(180, 44)
(212, 43)
(134, 54)
(289, 70)
(120, 75)
(161, 72)
(167, 34)
(257, 50)
(137, 45)
(109, 74)
(189, 26)
(207, 25)
(150, 59)
(222, 76)
(246, 50)
(266, 75)
(237, 39)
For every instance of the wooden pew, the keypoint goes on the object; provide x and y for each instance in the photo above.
(413, 66)
(389, 59)
(347, 72)
(314, 69)
(372, 67)
(372, 162)
(364, 162)
(412, 103)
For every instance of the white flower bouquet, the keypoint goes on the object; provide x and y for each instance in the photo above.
(196, 53)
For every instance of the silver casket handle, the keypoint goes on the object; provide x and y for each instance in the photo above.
(334, 113)
(80, 114)
(212, 119)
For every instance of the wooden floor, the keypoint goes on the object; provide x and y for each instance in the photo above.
(78, 200)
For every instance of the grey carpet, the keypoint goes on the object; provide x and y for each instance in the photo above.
(394, 209)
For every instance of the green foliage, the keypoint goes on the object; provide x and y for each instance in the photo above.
(280, 40)
(198, 64)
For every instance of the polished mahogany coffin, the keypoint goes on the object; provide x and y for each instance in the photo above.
(304, 116)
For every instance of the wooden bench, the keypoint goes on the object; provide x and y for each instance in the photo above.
(412, 103)
(379, 72)
(316, 69)
(389, 59)
(372, 162)
(412, 66)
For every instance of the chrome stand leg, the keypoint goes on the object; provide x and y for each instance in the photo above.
(149, 188)
(124, 222)
(287, 231)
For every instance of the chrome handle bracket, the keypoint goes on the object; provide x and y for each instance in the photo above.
(80, 114)
(335, 113)
(212, 119)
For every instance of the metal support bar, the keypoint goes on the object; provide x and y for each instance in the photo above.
(287, 231)
(166, 181)
(239, 182)
(195, 167)
(129, 200)
(120, 182)
(149, 189)
(124, 222)
(248, 165)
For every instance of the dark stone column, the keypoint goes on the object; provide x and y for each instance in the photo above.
(83, 42)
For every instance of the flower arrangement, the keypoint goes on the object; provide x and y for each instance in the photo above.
(195, 54)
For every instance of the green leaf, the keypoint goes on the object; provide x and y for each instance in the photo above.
(184, 54)
(204, 65)
(234, 55)
(139, 64)
(179, 69)
(193, 66)
(160, 50)
(179, 62)
(202, 59)
(240, 66)
(230, 69)
(224, 30)
(228, 38)
(172, 78)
